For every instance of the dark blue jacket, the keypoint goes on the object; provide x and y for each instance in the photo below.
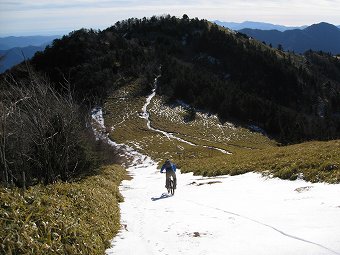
(173, 168)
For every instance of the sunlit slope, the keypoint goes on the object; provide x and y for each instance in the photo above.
(203, 127)
(250, 151)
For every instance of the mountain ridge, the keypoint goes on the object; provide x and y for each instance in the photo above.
(15, 49)
(10, 42)
(256, 25)
(208, 67)
(322, 36)
(16, 55)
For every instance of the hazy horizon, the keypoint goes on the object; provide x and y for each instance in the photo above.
(41, 17)
(64, 32)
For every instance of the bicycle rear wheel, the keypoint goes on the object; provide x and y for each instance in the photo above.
(172, 188)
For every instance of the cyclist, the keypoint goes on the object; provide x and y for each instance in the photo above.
(170, 170)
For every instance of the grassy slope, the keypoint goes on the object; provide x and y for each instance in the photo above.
(204, 129)
(125, 126)
(62, 218)
(314, 161)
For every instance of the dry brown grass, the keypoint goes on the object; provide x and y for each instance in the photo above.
(62, 218)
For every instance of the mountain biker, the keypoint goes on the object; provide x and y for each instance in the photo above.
(170, 170)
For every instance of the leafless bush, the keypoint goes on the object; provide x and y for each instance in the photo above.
(39, 133)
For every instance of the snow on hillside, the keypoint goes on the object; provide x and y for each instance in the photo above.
(205, 126)
(146, 115)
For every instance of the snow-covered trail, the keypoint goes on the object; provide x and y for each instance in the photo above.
(244, 214)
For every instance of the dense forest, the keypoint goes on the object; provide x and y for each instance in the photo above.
(292, 97)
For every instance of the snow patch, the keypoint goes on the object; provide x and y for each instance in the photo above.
(99, 130)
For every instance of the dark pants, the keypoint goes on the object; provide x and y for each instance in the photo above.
(168, 175)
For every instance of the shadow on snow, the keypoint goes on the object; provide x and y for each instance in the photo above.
(164, 195)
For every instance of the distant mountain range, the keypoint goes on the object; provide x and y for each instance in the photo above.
(9, 42)
(255, 25)
(322, 36)
(16, 55)
(14, 49)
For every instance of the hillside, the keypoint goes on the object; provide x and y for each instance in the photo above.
(291, 98)
(205, 146)
(318, 37)
(207, 210)
(206, 66)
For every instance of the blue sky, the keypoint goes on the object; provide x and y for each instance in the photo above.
(28, 17)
